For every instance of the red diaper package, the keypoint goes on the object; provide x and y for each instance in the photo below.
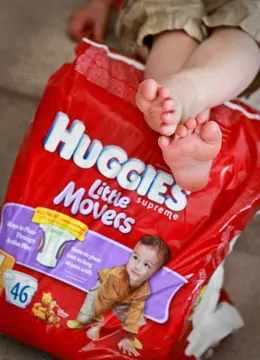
(102, 254)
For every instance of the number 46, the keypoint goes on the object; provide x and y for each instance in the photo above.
(20, 293)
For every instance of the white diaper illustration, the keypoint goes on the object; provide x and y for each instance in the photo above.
(19, 288)
(52, 246)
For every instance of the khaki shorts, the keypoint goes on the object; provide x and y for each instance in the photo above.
(140, 20)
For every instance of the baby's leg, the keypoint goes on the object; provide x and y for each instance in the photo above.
(219, 70)
(168, 55)
(205, 76)
(222, 67)
(86, 313)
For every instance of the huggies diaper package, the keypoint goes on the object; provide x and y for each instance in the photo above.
(102, 254)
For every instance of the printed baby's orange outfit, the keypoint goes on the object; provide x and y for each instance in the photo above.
(112, 292)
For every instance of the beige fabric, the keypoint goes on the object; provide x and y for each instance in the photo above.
(139, 20)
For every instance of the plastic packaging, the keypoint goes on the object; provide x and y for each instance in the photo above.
(89, 183)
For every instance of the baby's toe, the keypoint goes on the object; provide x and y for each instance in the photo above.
(167, 130)
(148, 90)
(169, 117)
(168, 104)
(164, 92)
(211, 133)
(181, 131)
(163, 142)
(191, 123)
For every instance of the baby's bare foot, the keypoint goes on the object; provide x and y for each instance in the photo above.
(94, 333)
(161, 112)
(189, 155)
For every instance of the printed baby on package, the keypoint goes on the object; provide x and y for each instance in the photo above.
(102, 254)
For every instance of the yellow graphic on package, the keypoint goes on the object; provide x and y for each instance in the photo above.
(58, 230)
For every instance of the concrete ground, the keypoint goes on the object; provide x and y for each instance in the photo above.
(32, 46)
